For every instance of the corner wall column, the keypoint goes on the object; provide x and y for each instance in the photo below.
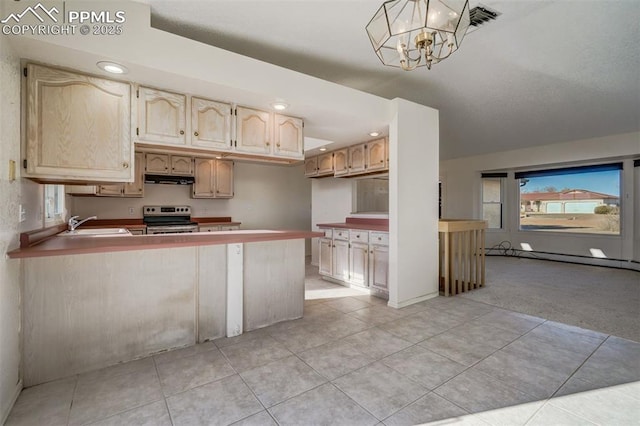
(413, 203)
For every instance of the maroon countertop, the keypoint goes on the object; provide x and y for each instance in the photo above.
(365, 224)
(58, 246)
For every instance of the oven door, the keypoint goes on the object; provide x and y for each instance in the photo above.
(171, 229)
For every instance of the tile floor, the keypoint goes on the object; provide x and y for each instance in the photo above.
(354, 361)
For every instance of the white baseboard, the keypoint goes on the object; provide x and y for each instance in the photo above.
(16, 394)
(414, 300)
(582, 260)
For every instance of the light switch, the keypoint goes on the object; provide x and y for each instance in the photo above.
(12, 170)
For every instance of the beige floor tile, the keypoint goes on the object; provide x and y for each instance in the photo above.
(263, 418)
(377, 343)
(425, 367)
(379, 389)
(49, 403)
(218, 403)
(183, 352)
(281, 380)
(96, 399)
(195, 370)
(324, 405)
(254, 353)
(550, 415)
(335, 359)
(154, 414)
(429, 408)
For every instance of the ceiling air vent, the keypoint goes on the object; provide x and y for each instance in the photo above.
(481, 15)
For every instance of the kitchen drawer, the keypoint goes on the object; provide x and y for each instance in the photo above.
(359, 236)
(380, 238)
(341, 234)
(208, 228)
(229, 227)
(328, 233)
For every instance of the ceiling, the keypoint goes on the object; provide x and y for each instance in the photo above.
(543, 72)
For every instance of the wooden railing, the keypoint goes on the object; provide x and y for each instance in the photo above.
(461, 259)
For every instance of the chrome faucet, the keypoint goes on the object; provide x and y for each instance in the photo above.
(74, 222)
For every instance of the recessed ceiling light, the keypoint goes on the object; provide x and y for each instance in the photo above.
(112, 67)
(218, 157)
(280, 106)
(323, 149)
(374, 134)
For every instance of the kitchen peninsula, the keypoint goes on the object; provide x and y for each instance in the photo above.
(94, 301)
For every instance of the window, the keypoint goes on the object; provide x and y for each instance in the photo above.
(53, 203)
(575, 199)
(492, 195)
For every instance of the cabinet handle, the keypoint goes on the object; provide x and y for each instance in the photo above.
(195, 133)
(382, 161)
(267, 144)
(379, 238)
(371, 252)
(357, 236)
(182, 132)
(125, 165)
(278, 145)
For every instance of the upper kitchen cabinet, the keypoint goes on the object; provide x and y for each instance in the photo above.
(213, 178)
(376, 155)
(288, 136)
(325, 164)
(181, 165)
(157, 163)
(357, 159)
(253, 131)
(210, 124)
(78, 127)
(161, 116)
(311, 166)
(341, 162)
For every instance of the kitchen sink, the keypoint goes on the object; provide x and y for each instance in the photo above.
(95, 232)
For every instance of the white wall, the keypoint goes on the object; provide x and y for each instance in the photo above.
(331, 202)
(266, 197)
(413, 203)
(10, 298)
(462, 183)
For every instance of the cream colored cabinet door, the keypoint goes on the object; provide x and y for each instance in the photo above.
(289, 139)
(208, 228)
(161, 116)
(325, 164)
(229, 227)
(311, 166)
(182, 166)
(203, 187)
(340, 260)
(253, 131)
(210, 124)
(157, 164)
(359, 264)
(325, 251)
(379, 267)
(110, 190)
(136, 189)
(341, 162)
(357, 159)
(223, 179)
(78, 128)
(376, 155)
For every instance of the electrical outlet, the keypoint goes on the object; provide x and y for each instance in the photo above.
(131, 213)
(23, 213)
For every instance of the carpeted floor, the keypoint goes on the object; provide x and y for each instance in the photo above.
(596, 298)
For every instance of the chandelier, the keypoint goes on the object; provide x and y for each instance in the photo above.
(416, 33)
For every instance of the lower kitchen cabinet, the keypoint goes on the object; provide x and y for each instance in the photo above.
(358, 264)
(379, 267)
(356, 257)
(340, 260)
(325, 255)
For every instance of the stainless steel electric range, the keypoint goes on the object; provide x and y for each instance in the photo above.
(168, 219)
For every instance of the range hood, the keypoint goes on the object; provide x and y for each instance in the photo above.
(173, 180)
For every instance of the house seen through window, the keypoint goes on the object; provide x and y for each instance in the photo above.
(576, 199)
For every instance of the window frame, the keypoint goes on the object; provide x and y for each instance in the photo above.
(572, 170)
(494, 176)
(59, 207)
